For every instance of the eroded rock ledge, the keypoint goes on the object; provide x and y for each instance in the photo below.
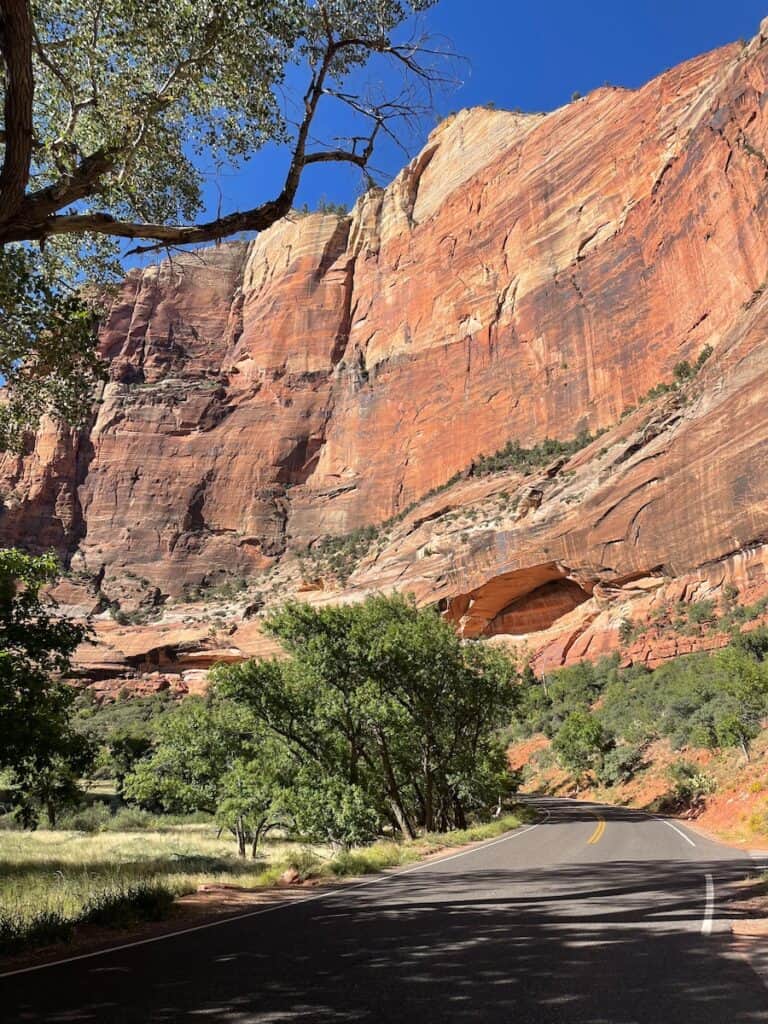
(524, 277)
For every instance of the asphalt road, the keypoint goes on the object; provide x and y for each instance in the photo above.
(595, 915)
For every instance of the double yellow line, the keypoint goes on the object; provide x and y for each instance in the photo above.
(597, 835)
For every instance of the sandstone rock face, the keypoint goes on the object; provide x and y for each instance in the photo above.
(526, 276)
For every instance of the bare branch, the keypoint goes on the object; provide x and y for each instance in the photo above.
(40, 214)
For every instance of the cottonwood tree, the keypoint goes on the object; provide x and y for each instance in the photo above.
(211, 756)
(382, 701)
(581, 743)
(111, 108)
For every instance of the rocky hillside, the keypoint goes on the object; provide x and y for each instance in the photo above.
(600, 272)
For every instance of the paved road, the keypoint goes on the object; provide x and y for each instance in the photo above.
(595, 915)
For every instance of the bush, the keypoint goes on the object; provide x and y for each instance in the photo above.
(43, 929)
(130, 819)
(620, 764)
(305, 862)
(691, 784)
(758, 819)
(367, 862)
(525, 460)
(92, 818)
(124, 905)
(117, 906)
(701, 611)
(626, 631)
(581, 743)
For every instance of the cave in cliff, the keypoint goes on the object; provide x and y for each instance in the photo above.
(517, 603)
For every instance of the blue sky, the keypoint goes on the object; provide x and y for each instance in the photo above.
(527, 55)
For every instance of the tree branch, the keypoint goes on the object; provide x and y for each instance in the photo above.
(38, 215)
(16, 49)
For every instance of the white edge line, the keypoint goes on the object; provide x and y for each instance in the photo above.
(676, 829)
(709, 909)
(283, 905)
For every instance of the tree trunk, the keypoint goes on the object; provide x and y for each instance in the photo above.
(16, 50)
(429, 796)
(393, 790)
(458, 814)
(256, 840)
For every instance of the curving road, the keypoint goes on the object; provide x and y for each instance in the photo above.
(597, 914)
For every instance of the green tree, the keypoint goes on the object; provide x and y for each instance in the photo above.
(326, 809)
(384, 698)
(211, 756)
(745, 683)
(123, 751)
(38, 746)
(252, 798)
(48, 358)
(581, 743)
(111, 110)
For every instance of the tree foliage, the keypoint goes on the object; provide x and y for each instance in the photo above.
(581, 743)
(386, 715)
(48, 358)
(38, 746)
(704, 700)
(211, 756)
(110, 104)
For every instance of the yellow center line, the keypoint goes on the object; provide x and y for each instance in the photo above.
(597, 835)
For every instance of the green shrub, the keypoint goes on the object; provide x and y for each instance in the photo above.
(116, 906)
(131, 819)
(525, 460)
(620, 764)
(42, 929)
(626, 631)
(683, 371)
(91, 818)
(581, 743)
(305, 862)
(701, 611)
(690, 783)
(369, 860)
(703, 356)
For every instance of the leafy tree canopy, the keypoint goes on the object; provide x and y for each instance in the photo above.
(38, 746)
(212, 756)
(381, 704)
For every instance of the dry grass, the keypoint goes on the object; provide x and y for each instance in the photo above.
(53, 881)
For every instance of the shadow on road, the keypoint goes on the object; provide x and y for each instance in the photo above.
(610, 943)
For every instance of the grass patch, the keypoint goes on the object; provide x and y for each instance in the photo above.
(386, 854)
(53, 882)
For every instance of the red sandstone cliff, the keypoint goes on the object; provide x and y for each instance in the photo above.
(525, 276)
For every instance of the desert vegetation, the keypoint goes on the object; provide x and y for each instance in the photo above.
(696, 618)
(338, 556)
(602, 718)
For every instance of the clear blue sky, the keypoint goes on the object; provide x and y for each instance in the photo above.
(531, 55)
